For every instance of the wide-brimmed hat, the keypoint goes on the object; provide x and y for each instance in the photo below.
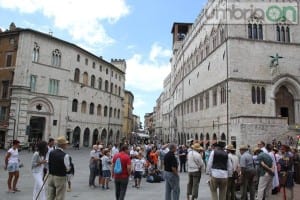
(220, 144)
(62, 140)
(197, 147)
(243, 147)
(255, 149)
(230, 147)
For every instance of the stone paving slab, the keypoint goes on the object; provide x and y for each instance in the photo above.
(81, 191)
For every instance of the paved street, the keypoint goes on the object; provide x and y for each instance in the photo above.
(80, 189)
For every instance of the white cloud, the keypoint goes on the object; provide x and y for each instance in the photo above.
(82, 19)
(148, 75)
(138, 102)
(158, 51)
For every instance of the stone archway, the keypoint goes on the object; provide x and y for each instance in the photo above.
(286, 94)
(76, 136)
(95, 136)
(117, 138)
(103, 136)
(207, 142)
(284, 103)
(110, 137)
(223, 137)
(214, 136)
(86, 137)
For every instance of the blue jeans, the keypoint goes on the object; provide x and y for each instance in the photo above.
(120, 188)
(172, 186)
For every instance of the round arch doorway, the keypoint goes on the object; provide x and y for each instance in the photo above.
(86, 137)
(284, 102)
(76, 136)
(37, 128)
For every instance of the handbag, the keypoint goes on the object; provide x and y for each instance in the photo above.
(282, 178)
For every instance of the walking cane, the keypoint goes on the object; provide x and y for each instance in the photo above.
(37, 196)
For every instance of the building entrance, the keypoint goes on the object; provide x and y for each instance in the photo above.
(2, 139)
(285, 104)
(37, 129)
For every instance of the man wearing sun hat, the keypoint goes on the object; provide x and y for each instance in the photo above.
(248, 173)
(235, 166)
(195, 166)
(219, 167)
(59, 165)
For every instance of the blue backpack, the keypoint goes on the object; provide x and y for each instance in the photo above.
(118, 166)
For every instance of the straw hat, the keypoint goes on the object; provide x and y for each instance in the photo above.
(255, 149)
(62, 140)
(230, 147)
(197, 147)
(243, 147)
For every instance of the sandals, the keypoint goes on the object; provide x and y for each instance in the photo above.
(16, 190)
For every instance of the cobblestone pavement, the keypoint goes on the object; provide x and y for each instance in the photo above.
(81, 191)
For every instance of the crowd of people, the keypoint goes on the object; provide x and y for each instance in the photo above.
(51, 168)
(256, 172)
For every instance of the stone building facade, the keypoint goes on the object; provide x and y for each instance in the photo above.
(128, 121)
(58, 88)
(234, 82)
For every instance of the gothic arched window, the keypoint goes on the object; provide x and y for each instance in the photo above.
(74, 105)
(77, 75)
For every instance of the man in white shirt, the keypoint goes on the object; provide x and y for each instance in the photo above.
(219, 167)
(114, 150)
(195, 167)
(262, 146)
(51, 147)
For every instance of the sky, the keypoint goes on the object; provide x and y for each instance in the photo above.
(138, 31)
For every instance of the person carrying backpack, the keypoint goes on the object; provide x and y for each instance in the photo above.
(121, 168)
(70, 174)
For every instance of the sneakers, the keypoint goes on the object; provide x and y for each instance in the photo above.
(69, 189)
(92, 186)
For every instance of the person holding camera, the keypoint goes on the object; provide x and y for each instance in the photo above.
(37, 167)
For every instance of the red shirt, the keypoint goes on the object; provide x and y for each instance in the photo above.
(125, 161)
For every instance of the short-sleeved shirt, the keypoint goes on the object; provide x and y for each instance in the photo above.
(246, 161)
(139, 164)
(266, 158)
(14, 155)
(125, 161)
(105, 162)
(170, 161)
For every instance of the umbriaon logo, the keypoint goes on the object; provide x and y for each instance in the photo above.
(243, 12)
